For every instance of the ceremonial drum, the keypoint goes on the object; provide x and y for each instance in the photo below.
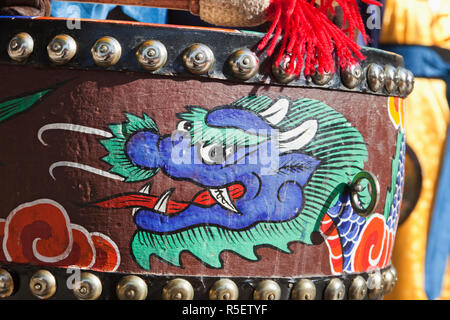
(145, 161)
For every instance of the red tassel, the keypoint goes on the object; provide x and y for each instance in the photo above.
(309, 37)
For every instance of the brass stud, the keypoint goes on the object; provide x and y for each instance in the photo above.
(375, 77)
(20, 47)
(388, 281)
(89, 287)
(358, 289)
(335, 290)
(131, 288)
(375, 285)
(304, 290)
(198, 59)
(43, 284)
(322, 79)
(280, 72)
(224, 289)
(244, 64)
(6, 284)
(389, 81)
(267, 290)
(61, 49)
(352, 76)
(152, 55)
(401, 80)
(178, 289)
(409, 82)
(106, 52)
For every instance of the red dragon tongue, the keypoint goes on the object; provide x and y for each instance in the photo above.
(128, 201)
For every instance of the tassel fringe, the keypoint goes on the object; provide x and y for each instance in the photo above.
(309, 38)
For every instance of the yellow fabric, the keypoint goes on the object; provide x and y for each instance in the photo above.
(419, 22)
(426, 121)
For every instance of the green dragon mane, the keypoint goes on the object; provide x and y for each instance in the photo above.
(342, 153)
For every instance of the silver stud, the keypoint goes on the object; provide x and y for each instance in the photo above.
(352, 76)
(388, 281)
(131, 288)
(224, 289)
(280, 72)
(152, 55)
(267, 290)
(400, 80)
(20, 47)
(322, 79)
(6, 284)
(409, 82)
(335, 290)
(394, 274)
(198, 59)
(43, 284)
(244, 64)
(89, 287)
(61, 49)
(358, 289)
(389, 81)
(178, 289)
(375, 285)
(304, 290)
(375, 77)
(106, 52)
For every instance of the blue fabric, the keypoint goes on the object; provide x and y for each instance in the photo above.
(438, 246)
(100, 11)
(424, 62)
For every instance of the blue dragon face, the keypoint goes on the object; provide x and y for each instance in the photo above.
(240, 159)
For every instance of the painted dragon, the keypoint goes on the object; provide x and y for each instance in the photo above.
(272, 172)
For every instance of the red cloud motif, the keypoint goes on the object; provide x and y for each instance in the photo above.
(40, 232)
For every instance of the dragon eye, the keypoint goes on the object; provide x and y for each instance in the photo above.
(215, 154)
(184, 126)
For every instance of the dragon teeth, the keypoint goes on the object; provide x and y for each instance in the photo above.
(146, 188)
(161, 204)
(223, 199)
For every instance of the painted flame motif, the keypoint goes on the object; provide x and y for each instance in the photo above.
(396, 108)
(40, 232)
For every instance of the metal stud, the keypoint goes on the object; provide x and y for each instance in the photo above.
(106, 52)
(198, 59)
(409, 82)
(244, 64)
(388, 281)
(43, 284)
(20, 47)
(6, 284)
(322, 79)
(375, 77)
(61, 49)
(224, 289)
(389, 81)
(375, 285)
(89, 287)
(131, 288)
(280, 72)
(394, 274)
(400, 80)
(178, 289)
(152, 55)
(304, 290)
(358, 289)
(352, 76)
(335, 290)
(267, 290)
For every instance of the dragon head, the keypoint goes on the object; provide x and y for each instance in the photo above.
(268, 170)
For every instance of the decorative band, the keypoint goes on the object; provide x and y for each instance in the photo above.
(184, 52)
(24, 282)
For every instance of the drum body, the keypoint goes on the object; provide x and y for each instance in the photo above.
(167, 175)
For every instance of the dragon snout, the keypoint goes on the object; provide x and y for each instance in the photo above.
(142, 149)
